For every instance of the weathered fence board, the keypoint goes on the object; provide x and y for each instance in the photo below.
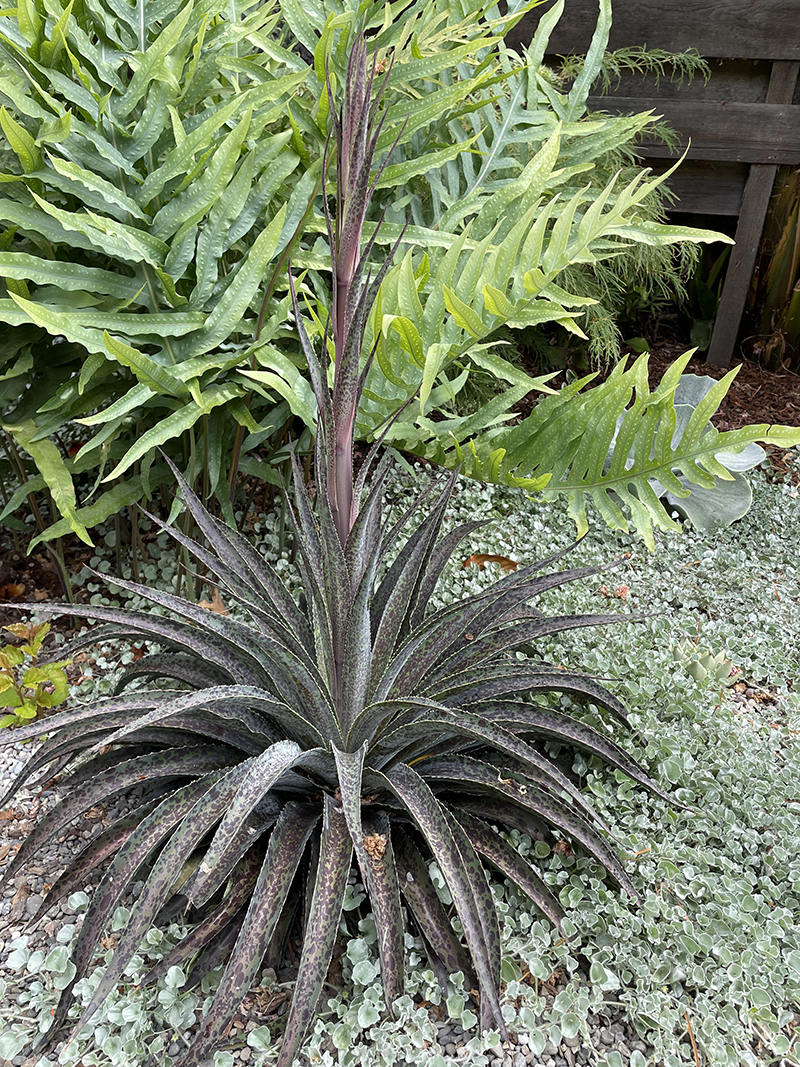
(731, 132)
(764, 29)
(755, 204)
(703, 188)
(739, 127)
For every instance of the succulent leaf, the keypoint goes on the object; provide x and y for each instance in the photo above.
(336, 852)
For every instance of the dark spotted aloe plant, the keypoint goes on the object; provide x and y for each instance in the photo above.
(355, 723)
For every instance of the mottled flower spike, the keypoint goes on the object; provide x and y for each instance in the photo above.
(355, 133)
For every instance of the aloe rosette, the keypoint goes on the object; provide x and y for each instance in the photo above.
(271, 747)
(253, 757)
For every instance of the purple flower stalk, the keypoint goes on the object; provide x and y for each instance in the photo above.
(356, 130)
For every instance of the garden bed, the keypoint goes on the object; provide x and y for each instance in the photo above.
(706, 970)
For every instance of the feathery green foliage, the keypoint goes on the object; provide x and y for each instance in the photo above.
(357, 722)
(506, 226)
(639, 59)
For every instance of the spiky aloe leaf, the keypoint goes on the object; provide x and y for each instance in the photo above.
(471, 773)
(322, 541)
(64, 743)
(206, 801)
(429, 816)
(451, 629)
(511, 864)
(493, 809)
(504, 639)
(202, 724)
(244, 590)
(153, 828)
(406, 571)
(181, 763)
(262, 773)
(230, 657)
(100, 849)
(384, 891)
(234, 551)
(440, 557)
(373, 848)
(403, 583)
(240, 703)
(441, 723)
(487, 912)
(445, 633)
(66, 720)
(92, 768)
(296, 679)
(179, 668)
(488, 683)
(336, 853)
(557, 726)
(286, 845)
(240, 888)
(429, 913)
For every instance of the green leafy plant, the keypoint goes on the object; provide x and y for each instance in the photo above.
(356, 721)
(501, 232)
(621, 447)
(512, 126)
(146, 194)
(28, 688)
(161, 169)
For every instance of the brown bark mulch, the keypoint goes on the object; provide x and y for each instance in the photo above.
(755, 396)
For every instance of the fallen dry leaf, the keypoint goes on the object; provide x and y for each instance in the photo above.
(375, 847)
(40, 594)
(214, 604)
(18, 902)
(480, 559)
(619, 590)
(11, 590)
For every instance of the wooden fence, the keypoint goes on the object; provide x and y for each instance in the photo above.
(739, 126)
